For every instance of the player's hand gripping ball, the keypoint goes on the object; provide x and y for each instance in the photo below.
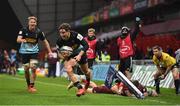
(65, 51)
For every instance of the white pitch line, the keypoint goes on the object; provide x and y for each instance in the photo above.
(163, 102)
(45, 83)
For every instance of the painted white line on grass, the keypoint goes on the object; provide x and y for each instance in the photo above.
(163, 102)
(152, 100)
(44, 83)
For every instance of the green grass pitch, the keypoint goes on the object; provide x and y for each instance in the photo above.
(52, 91)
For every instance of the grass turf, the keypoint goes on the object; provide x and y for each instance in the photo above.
(52, 91)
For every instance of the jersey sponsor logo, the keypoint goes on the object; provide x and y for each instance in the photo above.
(124, 49)
(80, 37)
(31, 40)
(20, 32)
(89, 51)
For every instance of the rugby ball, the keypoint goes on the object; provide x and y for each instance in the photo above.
(66, 49)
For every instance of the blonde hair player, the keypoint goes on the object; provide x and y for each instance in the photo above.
(28, 38)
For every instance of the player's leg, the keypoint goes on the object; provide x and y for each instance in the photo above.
(87, 73)
(127, 67)
(151, 92)
(77, 70)
(157, 81)
(92, 84)
(33, 66)
(84, 66)
(49, 70)
(68, 65)
(27, 75)
(54, 70)
(122, 66)
(25, 61)
(13, 68)
(71, 84)
(90, 63)
(175, 74)
(89, 90)
(81, 79)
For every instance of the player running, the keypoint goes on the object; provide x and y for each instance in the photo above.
(28, 37)
(72, 39)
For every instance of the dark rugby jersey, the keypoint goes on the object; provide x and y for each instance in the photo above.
(31, 46)
(76, 42)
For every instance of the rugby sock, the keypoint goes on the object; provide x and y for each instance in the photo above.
(87, 79)
(78, 85)
(176, 83)
(28, 81)
(157, 82)
(32, 84)
(27, 78)
(87, 83)
(88, 76)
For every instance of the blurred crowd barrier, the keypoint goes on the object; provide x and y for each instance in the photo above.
(143, 71)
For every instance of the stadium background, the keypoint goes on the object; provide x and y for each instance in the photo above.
(160, 20)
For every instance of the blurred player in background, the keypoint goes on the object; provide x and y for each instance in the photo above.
(165, 63)
(125, 46)
(121, 89)
(52, 60)
(177, 53)
(94, 47)
(28, 38)
(13, 61)
(72, 39)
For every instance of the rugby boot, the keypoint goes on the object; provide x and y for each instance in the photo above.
(80, 92)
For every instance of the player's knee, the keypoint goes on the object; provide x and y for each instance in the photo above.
(26, 66)
(175, 76)
(69, 70)
(175, 73)
(88, 72)
(156, 75)
(34, 64)
(26, 71)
